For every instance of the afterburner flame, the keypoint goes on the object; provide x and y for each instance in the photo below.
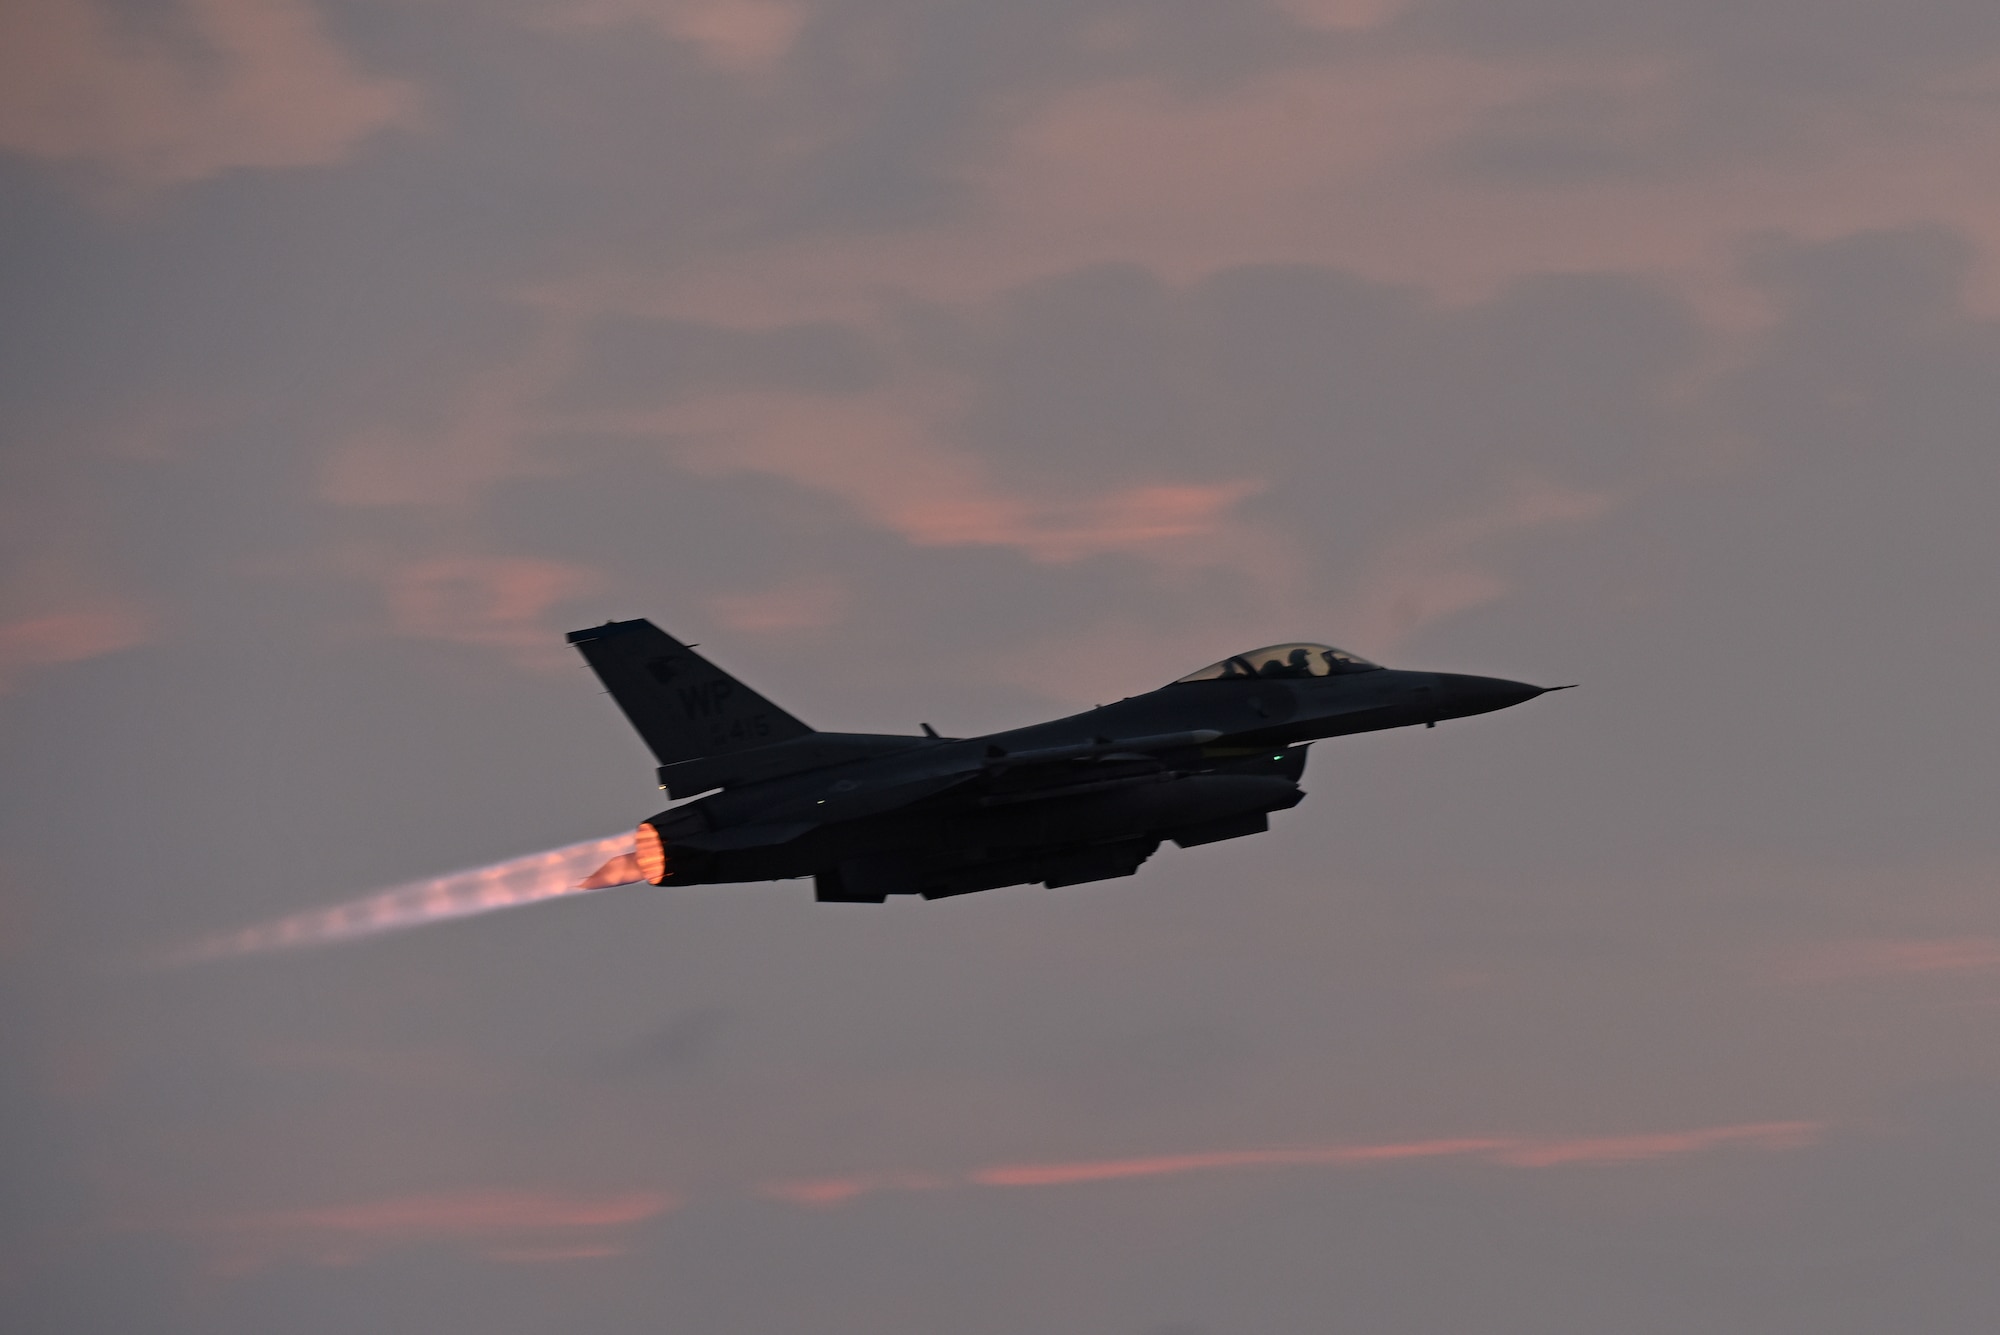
(651, 855)
(461, 894)
(621, 870)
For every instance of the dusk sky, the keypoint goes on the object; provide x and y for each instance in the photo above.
(937, 361)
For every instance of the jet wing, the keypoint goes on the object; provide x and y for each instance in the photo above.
(1101, 763)
(1100, 748)
(997, 777)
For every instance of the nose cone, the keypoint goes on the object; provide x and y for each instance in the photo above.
(1459, 695)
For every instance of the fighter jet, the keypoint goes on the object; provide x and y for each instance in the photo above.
(1084, 798)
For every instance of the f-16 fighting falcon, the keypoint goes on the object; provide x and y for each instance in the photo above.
(867, 815)
(1083, 798)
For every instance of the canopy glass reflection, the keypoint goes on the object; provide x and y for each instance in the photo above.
(1284, 660)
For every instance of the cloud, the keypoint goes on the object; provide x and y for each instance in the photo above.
(1279, 430)
(1849, 960)
(1342, 15)
(1775, 47)
(887, 455)
(498, 1223)
(1291, 166)
(1559, 157)
(1507, 1151)
(499, 602)
(461, 440)
(187, 93)
(1175, 1165)
(1665, 1145)
(1445, 567)
(55, 638)
(536, 1226)
(811, 602)
(741, 36)
(1138, 518)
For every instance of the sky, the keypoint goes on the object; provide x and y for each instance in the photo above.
(934, 361)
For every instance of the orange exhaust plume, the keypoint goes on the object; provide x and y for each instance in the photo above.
(461, 894)
(654, 865)
(621, 870)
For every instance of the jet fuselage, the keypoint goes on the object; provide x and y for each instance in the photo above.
(1074, 799)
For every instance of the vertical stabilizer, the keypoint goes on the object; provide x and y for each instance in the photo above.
(682, 705)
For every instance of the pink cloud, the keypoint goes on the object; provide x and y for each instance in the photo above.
(501, 1224)
(68, 637)
(1505, 1151)
(820, 1191)
(474, 1213)
(1663, 1145)
(1132, 519)
(742, 36)
(1429, 571)
(267, 88)
(456, 444)
(1173, 1165)
(1113, 657)
(1510, 1151)
(1343, 15)
(1288, 168)
(1893, 958)
(539, 1227)
(809, 603)
(889, 456)
(500, 602)
(1446, 566)
(1341, 164)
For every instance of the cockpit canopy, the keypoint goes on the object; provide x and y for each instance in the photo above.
(1284, 660)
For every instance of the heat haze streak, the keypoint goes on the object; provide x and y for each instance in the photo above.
(554, 874)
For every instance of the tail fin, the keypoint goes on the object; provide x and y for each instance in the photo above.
(682, 705)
